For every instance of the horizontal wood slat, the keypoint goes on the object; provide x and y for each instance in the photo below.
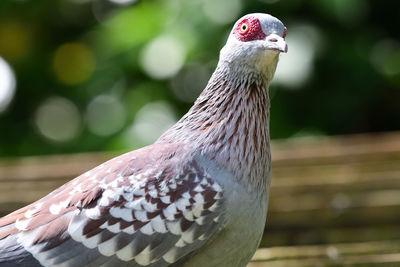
(354, 254)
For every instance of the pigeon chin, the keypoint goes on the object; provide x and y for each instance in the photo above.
(276, 49)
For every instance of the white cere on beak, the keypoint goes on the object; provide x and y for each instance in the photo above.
(276, 42)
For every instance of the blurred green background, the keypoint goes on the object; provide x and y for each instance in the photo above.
(82, 75)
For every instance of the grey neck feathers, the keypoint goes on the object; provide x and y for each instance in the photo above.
(229, 124)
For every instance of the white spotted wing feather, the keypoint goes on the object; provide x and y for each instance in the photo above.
(140, 209)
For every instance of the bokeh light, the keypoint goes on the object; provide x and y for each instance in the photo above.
(15, 40)
(130, 26)
(80, 1)
(7, 84)
(190, 81)
(73, 63)
(222, 11)
(296, 66)
(123, 2)
(385, 57)
(58, 119)
(347, 12)
(269, 1)
(105, 115)
(151, 121)
(163, 57)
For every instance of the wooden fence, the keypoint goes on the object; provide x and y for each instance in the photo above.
(334, 201)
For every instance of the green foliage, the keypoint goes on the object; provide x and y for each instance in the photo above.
(97, 56)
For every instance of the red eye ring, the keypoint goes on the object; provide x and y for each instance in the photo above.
(249, 29)
(284, 33)
(244, 28)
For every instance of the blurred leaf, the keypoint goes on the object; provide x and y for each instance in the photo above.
(132, 26)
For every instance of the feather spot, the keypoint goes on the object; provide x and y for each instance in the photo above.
(135, 205)
(22, 224)
(144, 257)
(125, 214)
(202, 237)
(197, 210)
(109, 247)
(158, 175)
(128, 196)
(173, 186)
(188, 236)
(93, 177)
(93, 213)
(139, 192)
(200, 220)
(147, 229)
(114, 228)
(141, 215)
(76, 189)
(171, 256)
(180, 243)
(199, 198)
(174, 227)
(198, 188)
(75, 229)
(217, 187)
(149, 207)
(129, 230)
(166, 199)
(170, 211)
(56, 208)
(158, 224)
(125, 254)
(216, 219)
(188, 214)
(104, 201)
(204, 182)
(29, 213)
(213, 207)
(91, 242)
(182, 203)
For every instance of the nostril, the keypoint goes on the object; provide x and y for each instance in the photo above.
(274, 40)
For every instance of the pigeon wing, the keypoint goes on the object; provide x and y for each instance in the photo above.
(149, 207)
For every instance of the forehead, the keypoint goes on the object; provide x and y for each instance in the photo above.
(268, 23)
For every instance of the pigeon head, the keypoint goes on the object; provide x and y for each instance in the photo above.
(254, 44)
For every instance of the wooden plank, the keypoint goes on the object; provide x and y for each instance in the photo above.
(49, 167)
(287, 154)
(330, 235)
(335, 149)
(294, 228)
(350, 254)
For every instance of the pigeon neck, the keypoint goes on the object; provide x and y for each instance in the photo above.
(229, 124)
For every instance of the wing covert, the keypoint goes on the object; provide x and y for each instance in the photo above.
(149, 209)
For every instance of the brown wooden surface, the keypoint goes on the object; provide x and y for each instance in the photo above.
(334, 201)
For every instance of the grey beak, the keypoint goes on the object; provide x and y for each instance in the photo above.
(276, 42)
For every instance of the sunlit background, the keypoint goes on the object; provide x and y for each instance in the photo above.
(82, 75)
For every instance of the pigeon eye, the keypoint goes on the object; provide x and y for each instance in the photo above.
(284, 33)
(244, 28)
(249, 29)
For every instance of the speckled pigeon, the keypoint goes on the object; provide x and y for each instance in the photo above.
(196, 197)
